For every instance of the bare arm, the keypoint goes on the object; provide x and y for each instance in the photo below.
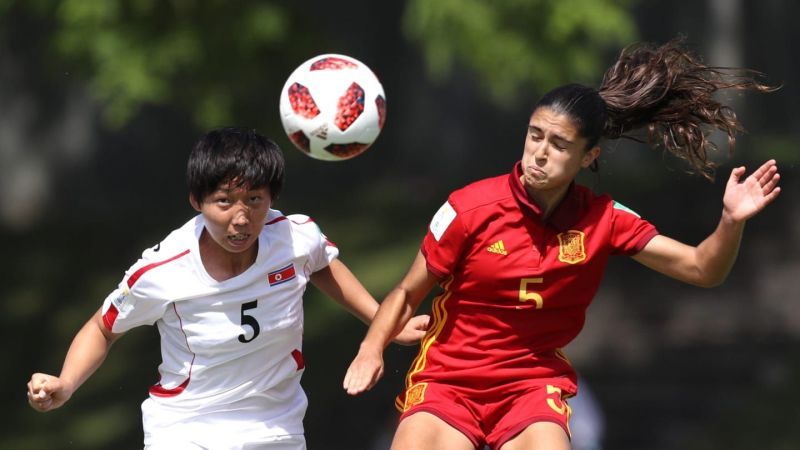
(86, 353)
(709, 263)
(339, 283)
(401, 303)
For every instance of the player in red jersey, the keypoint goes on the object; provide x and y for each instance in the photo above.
(520, 256)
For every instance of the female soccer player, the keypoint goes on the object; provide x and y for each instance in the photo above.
(520, 256)
(225, 291)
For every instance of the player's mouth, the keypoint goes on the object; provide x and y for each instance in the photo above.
(536, 173)
(238, 238)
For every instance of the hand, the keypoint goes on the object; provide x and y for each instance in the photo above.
(745, 199)
(414, 331)
(46, 392)
(364, 372)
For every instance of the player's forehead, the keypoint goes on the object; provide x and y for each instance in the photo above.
(546, 119)
(239, 185)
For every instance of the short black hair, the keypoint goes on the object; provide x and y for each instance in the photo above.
(237, 155)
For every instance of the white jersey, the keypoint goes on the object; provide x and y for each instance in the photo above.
(231, 350)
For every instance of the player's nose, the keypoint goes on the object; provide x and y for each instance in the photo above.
(540, 152)
(241, 217)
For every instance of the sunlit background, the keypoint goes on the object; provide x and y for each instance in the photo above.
(101, 101)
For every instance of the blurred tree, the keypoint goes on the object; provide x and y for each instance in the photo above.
(147, 51)
(198, 55)
(520, 43)
(207, 57)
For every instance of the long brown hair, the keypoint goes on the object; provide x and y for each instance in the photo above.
(666, 90)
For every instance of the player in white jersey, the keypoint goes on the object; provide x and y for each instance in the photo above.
(225, 291)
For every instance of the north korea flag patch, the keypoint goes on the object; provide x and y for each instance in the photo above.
(281, 275)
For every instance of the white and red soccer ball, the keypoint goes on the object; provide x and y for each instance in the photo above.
(332, 107)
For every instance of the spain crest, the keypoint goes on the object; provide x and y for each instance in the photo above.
(570, 247)
(415, 395)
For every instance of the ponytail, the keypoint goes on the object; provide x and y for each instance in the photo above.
(670, 92)
(666, 90)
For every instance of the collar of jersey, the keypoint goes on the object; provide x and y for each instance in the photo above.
(565, 214)
(263, 243)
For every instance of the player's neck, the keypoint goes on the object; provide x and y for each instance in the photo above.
(220, 264)
(547, 199)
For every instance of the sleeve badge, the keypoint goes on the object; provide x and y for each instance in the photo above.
(442, 219)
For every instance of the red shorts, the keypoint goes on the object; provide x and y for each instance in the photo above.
(493, 416)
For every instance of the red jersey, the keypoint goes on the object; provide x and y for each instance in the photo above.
(516, 287)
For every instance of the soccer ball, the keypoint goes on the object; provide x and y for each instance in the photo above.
(332, 107)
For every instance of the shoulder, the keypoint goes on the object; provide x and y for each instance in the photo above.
(159, 262)
(277, 220)
(480, 194)
(301, 220)
(274, 217)
(594, 201)
(296, 226)
(176, 241)
(157, 272)
(618, 217)
(475, 202)
(589, 196)
(606, 202)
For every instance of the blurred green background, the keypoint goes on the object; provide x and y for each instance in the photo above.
(101, 100)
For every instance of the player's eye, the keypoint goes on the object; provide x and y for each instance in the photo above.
(255, 199)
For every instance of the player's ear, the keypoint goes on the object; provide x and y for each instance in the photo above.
(590, 156)
(195, 204)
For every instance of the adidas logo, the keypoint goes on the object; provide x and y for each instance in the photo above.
(498, 247)
(321, 132)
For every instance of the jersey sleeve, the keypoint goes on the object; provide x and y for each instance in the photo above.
(444, 242)
(132, 303)
(629, 233)
(321, 251)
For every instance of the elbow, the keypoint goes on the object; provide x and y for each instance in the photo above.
(704, 278)
(708, 284)
(709, 281)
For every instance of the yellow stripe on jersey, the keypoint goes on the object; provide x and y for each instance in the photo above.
(560, 355)
(439, 314)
